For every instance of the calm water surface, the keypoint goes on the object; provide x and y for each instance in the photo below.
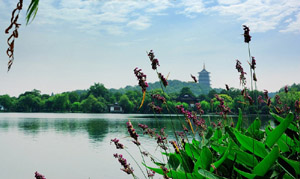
(73, 146)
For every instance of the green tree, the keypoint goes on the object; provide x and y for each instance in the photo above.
(98, 90)
(75, 107)
(211, 94)
(186, 91)
(61, 103)
(205, 106)
(73, 96)
(126, 104)
(92, 105)
(6, 102)
(29, 103)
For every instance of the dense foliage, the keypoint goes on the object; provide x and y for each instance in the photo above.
(98, 98)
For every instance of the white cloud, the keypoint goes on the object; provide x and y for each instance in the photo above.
(156, 6)
(191, 7)
(110, 16)
(294, 26)
(228, 2)
(140, 23)
(260, 15)
(114, 16)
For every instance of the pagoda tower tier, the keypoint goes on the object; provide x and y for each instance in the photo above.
(204, 78)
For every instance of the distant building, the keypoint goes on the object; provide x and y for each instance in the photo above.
(115, 108)
(187, 99)
(1, 108)
(204, 80)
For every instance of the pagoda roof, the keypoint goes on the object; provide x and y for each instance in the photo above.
(204, 71)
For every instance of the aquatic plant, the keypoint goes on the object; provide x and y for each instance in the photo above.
(227, 150)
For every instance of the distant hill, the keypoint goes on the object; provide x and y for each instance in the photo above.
(174, 87)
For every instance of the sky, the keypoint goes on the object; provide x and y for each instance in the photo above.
(72, 44)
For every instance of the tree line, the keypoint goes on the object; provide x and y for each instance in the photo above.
(97, 99)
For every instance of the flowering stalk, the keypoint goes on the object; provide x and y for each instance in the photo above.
(118, 145)
(39, 176)
(142, 82)
(126, 166)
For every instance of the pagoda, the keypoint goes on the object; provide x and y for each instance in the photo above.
(204, 79)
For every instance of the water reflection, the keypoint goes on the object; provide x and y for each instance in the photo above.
(4, 124)
(97, 127)
(31, 126)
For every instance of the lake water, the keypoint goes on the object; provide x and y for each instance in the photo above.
(74, 146)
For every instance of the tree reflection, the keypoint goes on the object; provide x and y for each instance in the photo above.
(4, 124)
(31, 126)
(97, 129)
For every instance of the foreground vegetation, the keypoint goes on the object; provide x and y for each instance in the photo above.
(226, 149)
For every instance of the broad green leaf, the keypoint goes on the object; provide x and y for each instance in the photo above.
(240, 120)
(281, 143)
(254, 130)
(205, 158)
(191, 151)
(280, 119)
(254, 127)
(297, 147)
(245, 174)
(209, 133)
(186, 163)
(231, 134)
(273, 137)
(286, 176)
(172, 173)
(294, 164)
(173, 161)
(236, 154)
(216, 164)
(196, 143)
(208, 174)
(159, 164)
(262, 168)
(251, 144)
(217, 134)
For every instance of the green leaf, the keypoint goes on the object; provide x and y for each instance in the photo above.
(186, 162)
(237, 154)
(217, 134)
(273, 137)
(231, 134)
(208, 174)
(286, 176)
(216, 164)
(280, 119)
(172, 173)
(196, 143)
(262, 168)
(205, 158)
(251, 144)
(191, 151)
(209, 133)
(245, 174)
(281, 143)
(240, 120)
(294, 164)
(173, 161)
(253, 129)
(32, 10)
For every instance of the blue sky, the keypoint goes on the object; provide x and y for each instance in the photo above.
(73, 44)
